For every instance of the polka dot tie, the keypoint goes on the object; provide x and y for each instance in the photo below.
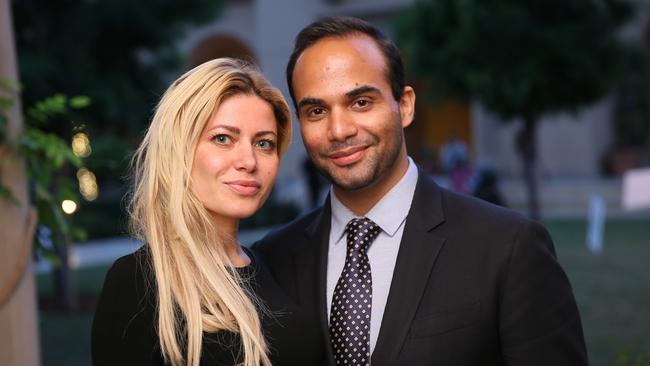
(352, 299)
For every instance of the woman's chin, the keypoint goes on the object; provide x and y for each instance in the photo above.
(245, 212)
(236, 213)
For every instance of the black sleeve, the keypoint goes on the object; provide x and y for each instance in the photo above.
(540, 323)
(124, 326)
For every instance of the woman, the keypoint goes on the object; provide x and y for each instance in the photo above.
(191, 295)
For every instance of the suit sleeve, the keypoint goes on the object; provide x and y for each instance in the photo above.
(123, 329)
(539, 319)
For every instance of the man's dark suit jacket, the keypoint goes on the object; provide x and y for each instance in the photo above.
(474, 284)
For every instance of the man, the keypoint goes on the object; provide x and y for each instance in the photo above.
(397, 270)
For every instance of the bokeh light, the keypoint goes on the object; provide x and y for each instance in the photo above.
(81, 145)
(87, 184)
(69, 206)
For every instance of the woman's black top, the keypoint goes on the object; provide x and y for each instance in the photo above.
(124, 330)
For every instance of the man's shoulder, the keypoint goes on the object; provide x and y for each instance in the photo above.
(471, 212)
(467, 205)
(289, 235)
(471, 220)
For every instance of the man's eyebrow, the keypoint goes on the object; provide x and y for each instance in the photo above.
(351, 94)
(309, 101)
(362, 90)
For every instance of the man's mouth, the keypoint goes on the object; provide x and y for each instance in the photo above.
(348, 156)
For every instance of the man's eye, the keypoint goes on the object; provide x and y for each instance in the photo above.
(221, 139)
(362, 103)
(316, 112)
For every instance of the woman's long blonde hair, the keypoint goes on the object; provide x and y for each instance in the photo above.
(197, 289)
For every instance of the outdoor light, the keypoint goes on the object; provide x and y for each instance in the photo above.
(69, 206)
(87, 184)
(81, 145)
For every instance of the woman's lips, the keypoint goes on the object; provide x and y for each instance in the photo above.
(348, 156)
(244, 187)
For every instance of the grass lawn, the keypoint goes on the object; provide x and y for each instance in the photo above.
(612, 291)
(65, 338)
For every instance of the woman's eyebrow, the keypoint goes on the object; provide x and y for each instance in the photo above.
(232, 129)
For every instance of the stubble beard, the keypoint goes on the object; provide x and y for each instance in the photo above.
(364, 173)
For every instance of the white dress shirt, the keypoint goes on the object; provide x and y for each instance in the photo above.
(390, 214)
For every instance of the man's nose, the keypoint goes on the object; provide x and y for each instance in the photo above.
(341, 125)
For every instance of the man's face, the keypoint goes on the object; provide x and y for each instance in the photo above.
(351, 125)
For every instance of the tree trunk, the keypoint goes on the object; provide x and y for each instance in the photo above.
(66, 296)
(19, 340)
(527, 146)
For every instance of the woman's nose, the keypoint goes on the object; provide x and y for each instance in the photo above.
(245, 159)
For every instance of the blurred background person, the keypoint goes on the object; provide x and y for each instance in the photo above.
(455, 162)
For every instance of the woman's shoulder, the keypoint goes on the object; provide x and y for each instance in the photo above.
(130, 262)
(123, 328)
(129, 278)
(131, 269)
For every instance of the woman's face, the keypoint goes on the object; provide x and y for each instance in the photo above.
(236, 159)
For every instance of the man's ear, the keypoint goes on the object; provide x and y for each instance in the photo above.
(407, 106)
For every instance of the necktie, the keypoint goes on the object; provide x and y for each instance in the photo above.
(352, 299)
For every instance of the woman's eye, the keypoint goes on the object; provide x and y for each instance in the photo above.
(221, 139)
(266, 144)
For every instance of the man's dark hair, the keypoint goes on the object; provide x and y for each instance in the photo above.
(345, 26)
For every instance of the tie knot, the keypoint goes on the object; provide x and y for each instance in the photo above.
(361, 232)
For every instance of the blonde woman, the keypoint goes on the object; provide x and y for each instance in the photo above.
(192, 295)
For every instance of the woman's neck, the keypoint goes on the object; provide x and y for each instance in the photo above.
(227, 230)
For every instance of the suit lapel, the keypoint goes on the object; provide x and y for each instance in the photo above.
(418, 251)
(311, 271)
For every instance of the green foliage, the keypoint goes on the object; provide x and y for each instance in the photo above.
(119, 53)
(109, 161)
(516, 57)
(7, 88)
(624, 359)
(6, 102)
(48, 157)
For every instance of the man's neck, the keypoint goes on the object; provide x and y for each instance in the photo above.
(360, 201)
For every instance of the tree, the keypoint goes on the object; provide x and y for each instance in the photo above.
(120, 54)
(18, 320)
(518, 58)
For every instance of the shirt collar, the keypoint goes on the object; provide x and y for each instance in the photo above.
(389, 213)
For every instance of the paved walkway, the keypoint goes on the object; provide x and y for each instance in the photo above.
(106, 251)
